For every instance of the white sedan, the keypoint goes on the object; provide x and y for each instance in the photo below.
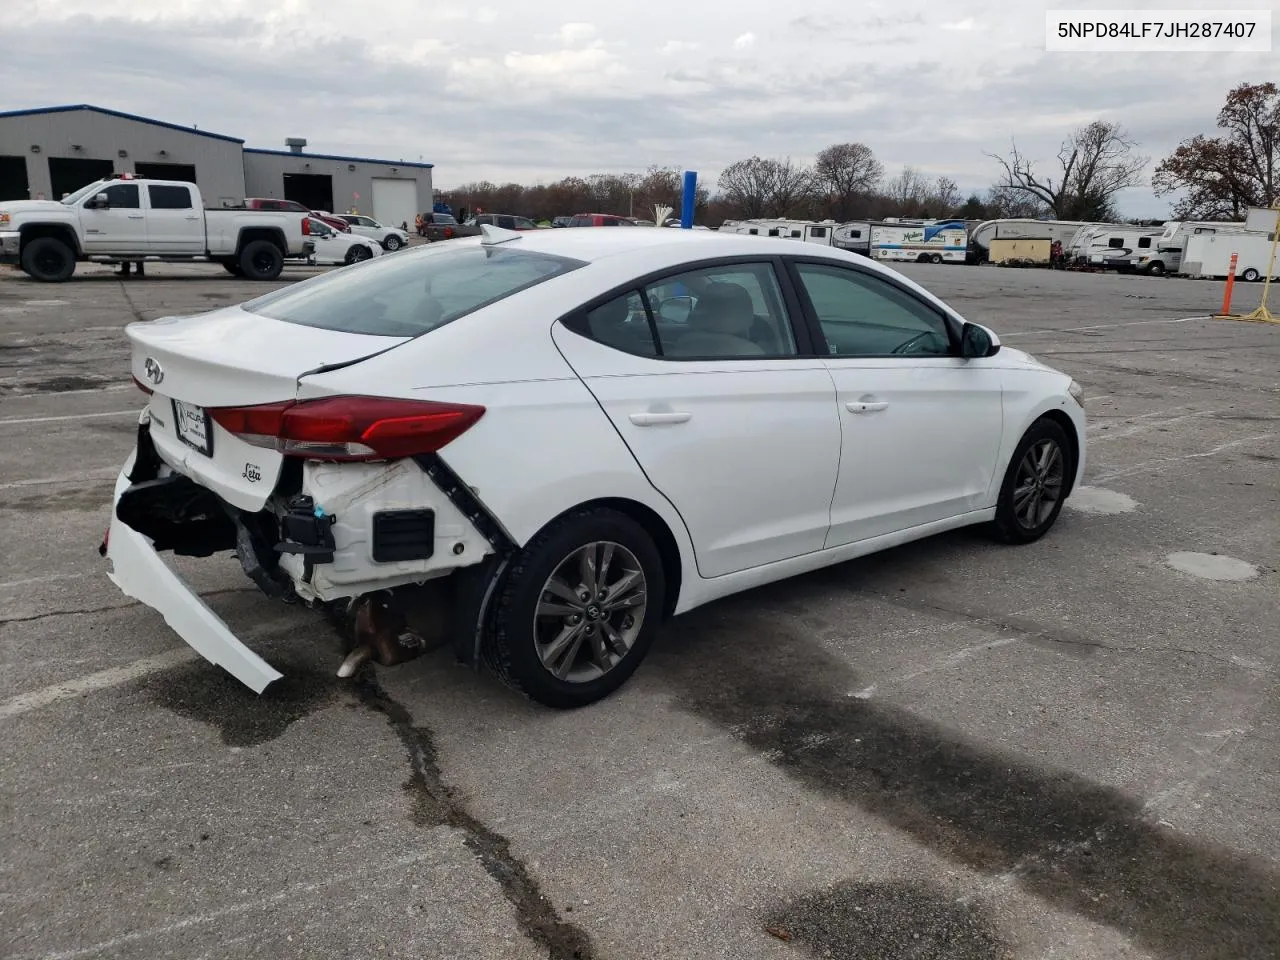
(332, 246)
(391, 238)
(569, 436)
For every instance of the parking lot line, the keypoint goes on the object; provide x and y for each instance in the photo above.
(26, 702)
(48, 394)
(71, 416)
(1095, 326)
(103, 473)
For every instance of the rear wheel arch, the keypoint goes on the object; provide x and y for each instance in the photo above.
(272, 234)
(658, 531)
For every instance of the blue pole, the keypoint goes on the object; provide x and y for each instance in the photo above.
(687, 198)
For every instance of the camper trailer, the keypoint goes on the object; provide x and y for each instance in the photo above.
(943, 241)
(980, 237)
(1208, 255)
(1168, 253)
(1112, 246)
(855, 236)
(806, 230)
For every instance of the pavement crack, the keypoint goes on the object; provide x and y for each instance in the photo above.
(1020, 627)
(436, 804)
(106, 608)
(133, 307)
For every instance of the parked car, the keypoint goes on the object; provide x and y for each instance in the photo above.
(355, 435)
(271, 203)
(332, 246)
(123, 219)
(561, 221)
(391, 238)
(443, 226)
(336, 222)
(599, 220)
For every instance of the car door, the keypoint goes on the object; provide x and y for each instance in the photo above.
(174, 224)
(120, 226)
(920, 426)
(726, 409)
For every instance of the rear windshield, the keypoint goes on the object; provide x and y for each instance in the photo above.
(409, 294)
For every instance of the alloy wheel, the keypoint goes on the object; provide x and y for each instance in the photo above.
(1038, 487)
(590, 611)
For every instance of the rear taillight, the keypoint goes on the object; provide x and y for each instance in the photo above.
(448, 233)
(349, 428)
(306, 226)
(142, 386)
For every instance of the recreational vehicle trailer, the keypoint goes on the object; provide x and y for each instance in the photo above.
(1168, 254)
(806, 230)
(980, 237)
(943, 241)
(1112, 246)
(855, 236)
(1208, 255)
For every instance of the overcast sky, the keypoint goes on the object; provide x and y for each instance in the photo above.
(535, 90)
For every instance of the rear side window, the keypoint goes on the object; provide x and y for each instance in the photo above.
(411, 294)
(1144, 242)
(1115, 243)
(169, 198)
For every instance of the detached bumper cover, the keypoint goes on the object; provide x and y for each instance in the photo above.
(139, 572)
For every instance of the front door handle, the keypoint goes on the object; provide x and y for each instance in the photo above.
(655, 419)
(866, 406)
(136, 216)
(192, 218)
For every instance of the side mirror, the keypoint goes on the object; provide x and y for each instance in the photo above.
(100, 202)
(676, 309)
(977, 341)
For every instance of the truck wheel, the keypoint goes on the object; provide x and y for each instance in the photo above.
(48, 260)
(1249, 276)
(261, 260)
(936, 258)
(1156, 269)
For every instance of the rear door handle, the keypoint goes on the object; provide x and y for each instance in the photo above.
(192, 218)
(866, 406)
(655, 419)
(136, 216)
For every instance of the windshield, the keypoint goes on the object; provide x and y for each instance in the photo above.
(74, 198)
(411, 294)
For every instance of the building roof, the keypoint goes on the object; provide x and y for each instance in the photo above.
(330, 156)
(118, 113)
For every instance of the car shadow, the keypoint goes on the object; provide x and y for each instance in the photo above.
(1080, 846)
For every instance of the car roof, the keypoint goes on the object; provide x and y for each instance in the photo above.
(683, 245)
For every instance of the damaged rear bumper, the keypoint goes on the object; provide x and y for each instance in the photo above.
(136, 568)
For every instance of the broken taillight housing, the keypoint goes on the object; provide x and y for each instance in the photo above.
(349, 428)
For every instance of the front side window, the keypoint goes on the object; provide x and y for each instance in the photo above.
(1115, 243)
(122, 196)
(864, 316)
(1144, 242)
(411, 294)
(734, 311)
(169, 198)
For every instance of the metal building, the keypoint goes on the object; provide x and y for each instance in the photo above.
(49, 152)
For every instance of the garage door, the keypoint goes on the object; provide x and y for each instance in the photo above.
(394, 201)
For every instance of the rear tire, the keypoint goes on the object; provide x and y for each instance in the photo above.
(232, 267)
(261, 260)
(48, 260)
(1035, 484)
(1251, 275)
(563, 638)
(936, 258)
(392, 243)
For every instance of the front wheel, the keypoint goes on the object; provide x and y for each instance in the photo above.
(392, 243)
(1156, 269)
(1035, 484)
(357, 253)
(48, 260)
(578, 610)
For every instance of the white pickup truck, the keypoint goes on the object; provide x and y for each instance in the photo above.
(128, 220)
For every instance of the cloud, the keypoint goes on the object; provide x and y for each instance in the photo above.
(745, 41)
(961, 26)
(536, 93)
(572, 34)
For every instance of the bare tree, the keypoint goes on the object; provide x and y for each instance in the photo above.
(759, 187)
(908, 188)
(1224, 175)
(943, 197)
(846, 173)
(1095, 163)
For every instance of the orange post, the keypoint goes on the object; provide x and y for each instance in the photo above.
(1231, 282)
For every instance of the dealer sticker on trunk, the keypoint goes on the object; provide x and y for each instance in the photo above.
(193, 426)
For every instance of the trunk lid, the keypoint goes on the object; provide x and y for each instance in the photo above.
(230, 358)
